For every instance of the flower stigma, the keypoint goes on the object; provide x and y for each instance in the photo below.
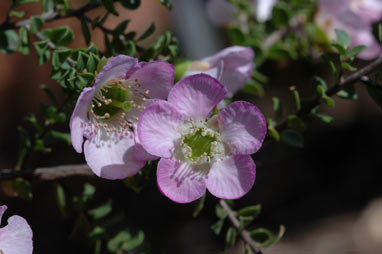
(117, 105)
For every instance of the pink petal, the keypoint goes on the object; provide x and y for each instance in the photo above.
(79, 125)
(238, 66)
(111, 155)
(195, 96)
(243, 127)
(179, 181)
(366, 38)
(156, 77)
(158, 128)
(116, 68)
(16, 237)
(232, 178)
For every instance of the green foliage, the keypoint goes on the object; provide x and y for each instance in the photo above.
(60, 36)
(292, 138)
(23, 42)
(265, 237)
(198, 206)
(124, 241)
(60, 198)
(131, 4)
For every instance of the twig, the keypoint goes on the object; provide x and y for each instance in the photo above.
(351, 79)
(48, 173)
(244, 233)
(52, 15)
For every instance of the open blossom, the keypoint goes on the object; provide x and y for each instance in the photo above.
(222, 12)
(232, 66)
(198, 151)
(354, 17)
(106, 114)
(16, 237)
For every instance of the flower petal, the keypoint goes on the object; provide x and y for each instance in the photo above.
(263, 9)
(179, 181)
(195, 96)
(238, 66)
(232, 178)
(116, 68)
(79, 126)
(156, 77)
(158, 128)
(243, 127)
(111, 155)
(16, 237)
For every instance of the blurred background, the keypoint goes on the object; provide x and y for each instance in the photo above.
(327, 195)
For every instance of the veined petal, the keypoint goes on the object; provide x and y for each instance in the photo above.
(158, 128)
(111, 155)
(238, 66)
(139, 152)
(16, 237)
(116, 68)
(232, 178)
(195, 96)
(156, 77)
(79, 125)
(179, 181)
(243, 127)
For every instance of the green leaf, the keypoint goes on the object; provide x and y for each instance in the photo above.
(253, 87)
(109, 6)
(356, 50)
(180, 69)
(92, 63)
(230, 237)
(60, 57)
(24, 145)
(88, 192)
(23, 188)
(277, 108)
(380, 32)
(148, 32)
(123, 241)
(340, 48)
(261, 236)
(8, 41)
(85, 31)
(296, 123)
(343, 38)
(47, 5)
(36, 22)
(281, 15)
(130, 48)
(217, 227)
(42, 50)
(18, 2)
(220, 212)
(18, 14)
(86, 79)
(292, 138)
(166, 3)
(296, 97)
(131, 4)
(348, 93)
(275, 239)
(60, 36)
(253, 210)
(328, 101)
(271, 129)
(97, 232)
(61, 136)
(40, 146)
(375, 93)
(23, 46)
(121, 27)
(347, 66)
(81, 60)
(198, 205)
(60, 198)
(101, 211)
(319, 82)
(324, 118)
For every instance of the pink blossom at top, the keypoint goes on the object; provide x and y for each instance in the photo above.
(16, 236)
(232, 66)
(354, 17)
(222, 12)
(106, 114)
(200, 151)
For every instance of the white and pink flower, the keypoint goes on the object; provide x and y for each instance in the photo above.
(107, 113)
(200, 151)
(354, 17)
(232, 66)
(16, 237)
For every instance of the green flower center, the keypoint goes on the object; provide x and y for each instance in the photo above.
(199, 143)
(113, 100)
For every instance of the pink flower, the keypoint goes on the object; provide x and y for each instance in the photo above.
(232, 66)
(222, 12)
(198, 151)
(354, 17)
(16, 237)
(107, 113)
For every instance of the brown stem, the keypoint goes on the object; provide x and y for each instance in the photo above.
(244, 233)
